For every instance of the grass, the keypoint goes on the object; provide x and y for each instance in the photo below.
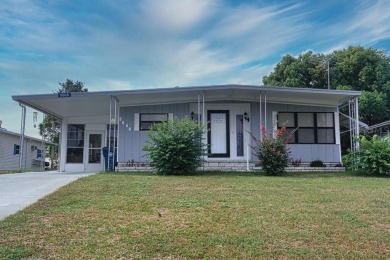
(216, 215)
(9, 171)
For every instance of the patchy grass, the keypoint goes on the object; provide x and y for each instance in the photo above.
(9, 171)
(215, 215)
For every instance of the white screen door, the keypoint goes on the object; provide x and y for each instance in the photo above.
(94, 162)
(218, 135)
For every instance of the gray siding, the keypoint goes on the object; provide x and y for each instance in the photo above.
(131, 142)
(304, 152)
(9, 161)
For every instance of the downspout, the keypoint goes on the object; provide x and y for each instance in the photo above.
(22, 129)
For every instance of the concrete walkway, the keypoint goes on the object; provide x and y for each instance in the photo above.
(20, 190)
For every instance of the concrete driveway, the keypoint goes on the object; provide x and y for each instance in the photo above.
(20, 190)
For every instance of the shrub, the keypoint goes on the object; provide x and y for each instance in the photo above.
(273, 153)
(317, 163)
(372, 157)
(175, 147)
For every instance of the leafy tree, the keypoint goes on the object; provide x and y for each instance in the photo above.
(306, 71)
(50, 128)
(353, 68)
(71, 86)
(373, 107)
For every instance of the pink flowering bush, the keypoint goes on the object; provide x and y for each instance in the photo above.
(273, 152)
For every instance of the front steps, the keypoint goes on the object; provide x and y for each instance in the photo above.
(232, 166)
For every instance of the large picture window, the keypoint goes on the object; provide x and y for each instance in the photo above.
(312, 128)
(147, 120)
(75, 148)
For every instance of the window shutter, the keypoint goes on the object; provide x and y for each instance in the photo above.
(136, 121)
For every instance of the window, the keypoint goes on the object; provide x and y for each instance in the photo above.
(39, 153)
(312, 128)
(75, 149)
(147, 120)
(16, 149)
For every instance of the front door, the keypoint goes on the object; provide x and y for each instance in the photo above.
(218, 134)
(94, 160)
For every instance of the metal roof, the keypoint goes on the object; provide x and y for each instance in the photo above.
(97, 103)
(5, 131)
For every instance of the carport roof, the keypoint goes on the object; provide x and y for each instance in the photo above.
(98, 103)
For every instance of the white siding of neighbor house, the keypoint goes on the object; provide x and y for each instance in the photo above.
(9, 161)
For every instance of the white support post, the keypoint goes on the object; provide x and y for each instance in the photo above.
(260, 117)
(117, 136)
(198, 113)
(247, 158)
(357, 122)
(203, 119)
(43, 152)
(115, 124)
(109, 135)
(350, 125)
(265, 111)
(203, 112)
(22, 129)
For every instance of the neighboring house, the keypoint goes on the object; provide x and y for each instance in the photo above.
(10, 152)
(382, 129)
(230, 113)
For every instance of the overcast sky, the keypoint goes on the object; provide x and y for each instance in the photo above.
(116, 45)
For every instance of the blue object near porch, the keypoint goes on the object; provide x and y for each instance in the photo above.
(108, 155)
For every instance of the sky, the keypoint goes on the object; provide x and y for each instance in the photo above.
(138, 44)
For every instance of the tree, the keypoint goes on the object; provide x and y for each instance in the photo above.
(373, 107)
(50, 128)
(306, 71)
(71, 86)
(353, 68)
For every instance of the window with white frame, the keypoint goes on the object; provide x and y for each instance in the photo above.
(149, 119)
(311, 128)
(75, 144)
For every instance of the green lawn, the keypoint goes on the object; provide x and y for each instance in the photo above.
(242, 216)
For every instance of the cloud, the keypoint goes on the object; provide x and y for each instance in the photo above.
(176, 16)
(372, 21)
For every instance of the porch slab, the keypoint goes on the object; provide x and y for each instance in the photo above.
(234, 166)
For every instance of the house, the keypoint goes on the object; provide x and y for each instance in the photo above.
(93, 120)
(11, 151)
